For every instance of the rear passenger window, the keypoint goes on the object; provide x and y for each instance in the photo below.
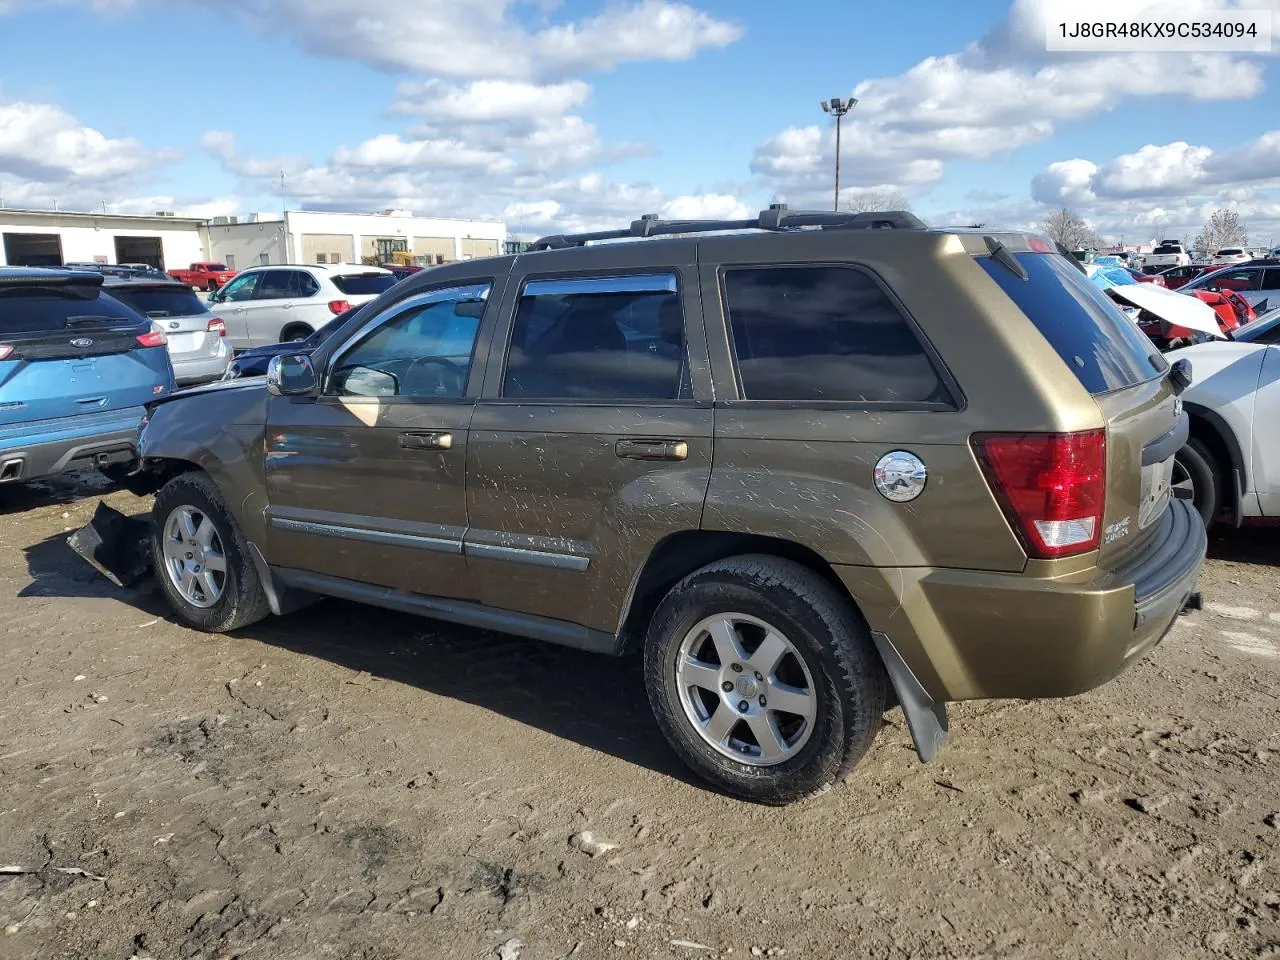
(825, 334)
(605, 338)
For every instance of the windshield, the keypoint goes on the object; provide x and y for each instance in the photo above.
(358, 284)
(1259, 328)
(1099, 344)
(215, 266)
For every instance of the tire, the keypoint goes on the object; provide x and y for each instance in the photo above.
(241, 599)
(1196, 468)
(295, 333)
(212, 286)
(828, 643)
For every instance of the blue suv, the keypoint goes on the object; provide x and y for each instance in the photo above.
(76, 369)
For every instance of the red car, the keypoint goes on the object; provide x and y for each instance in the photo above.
(1233, 311)
(1141, 277)
(205, 275)
(1175, 277)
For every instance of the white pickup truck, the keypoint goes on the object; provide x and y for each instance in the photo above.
(1168, 253)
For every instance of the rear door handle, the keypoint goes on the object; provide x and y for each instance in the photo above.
(651, 449)
(426, 441)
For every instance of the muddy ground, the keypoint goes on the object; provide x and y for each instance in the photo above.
(352, 783)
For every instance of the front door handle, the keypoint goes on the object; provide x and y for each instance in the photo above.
(651, 449)
(426, 441)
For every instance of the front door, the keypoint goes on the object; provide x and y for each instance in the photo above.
(366, 481)
(592, 441)
(229, 304)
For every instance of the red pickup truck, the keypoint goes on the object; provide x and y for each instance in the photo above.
(204, 276)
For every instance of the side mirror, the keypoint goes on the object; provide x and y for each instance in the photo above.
(1180, 376)
(291, 375)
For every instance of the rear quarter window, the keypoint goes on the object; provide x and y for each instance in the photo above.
(34, 311)
(1104, 349)
(825, 334)
(362, 284)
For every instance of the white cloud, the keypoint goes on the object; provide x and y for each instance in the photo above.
(706, 206)
(42, 142)
(470, 38)
(485, 101)
(994, 96)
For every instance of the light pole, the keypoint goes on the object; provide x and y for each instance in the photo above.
(838, 108)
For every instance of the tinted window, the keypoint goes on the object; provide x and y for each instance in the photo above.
(286, 284)
(1105, 349)
(824, 334)
(34, 311)
(1168, 248)
(614, 338)
(361, 284)
(1271, 278)
(424, 350)
(215, 266)
(161, 301)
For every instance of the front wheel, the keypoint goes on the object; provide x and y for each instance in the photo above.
(202, 559)
(763, 678)
(1195, 471)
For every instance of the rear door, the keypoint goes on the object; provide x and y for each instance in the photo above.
(1266, 439)
(592, 439)
(1126, 377)
(67, 351)
(272, 309)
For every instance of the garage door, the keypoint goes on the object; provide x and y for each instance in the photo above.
(33, 249)
(140, 250)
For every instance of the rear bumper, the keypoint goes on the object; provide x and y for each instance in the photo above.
(188, 370)
(45, 447)
(975, 635)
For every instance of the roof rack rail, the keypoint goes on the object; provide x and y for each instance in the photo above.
(777, 218)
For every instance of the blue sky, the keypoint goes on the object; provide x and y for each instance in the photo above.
(578, 114)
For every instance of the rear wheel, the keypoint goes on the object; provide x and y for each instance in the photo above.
(202, 559)
(295, 333)
(763, 678)
(1196, 471)
(212, 286)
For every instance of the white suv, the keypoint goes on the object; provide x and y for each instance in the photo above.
(1228, 255)
(278, 303)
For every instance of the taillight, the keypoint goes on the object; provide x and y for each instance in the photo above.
(217, 326)
(5, 350)
(1051, 487)
(155, 338)
(337, 307)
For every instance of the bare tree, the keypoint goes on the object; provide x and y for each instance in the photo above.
(1070, 230)
(875, 200)
(1224, 228)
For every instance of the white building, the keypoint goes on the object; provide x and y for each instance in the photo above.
(50, 238)
(306, 236)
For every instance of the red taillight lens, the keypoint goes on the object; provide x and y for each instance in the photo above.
(1051, 486)
(5, 350)
(217, 326)
(338, 306)
(155, 338)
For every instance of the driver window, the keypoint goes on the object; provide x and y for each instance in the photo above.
(424, 350)
(241, 288)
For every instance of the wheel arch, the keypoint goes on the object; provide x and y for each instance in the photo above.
(679, 554)
(1216, 435)
(295, 325)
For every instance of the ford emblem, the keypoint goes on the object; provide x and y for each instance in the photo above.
(82, 342)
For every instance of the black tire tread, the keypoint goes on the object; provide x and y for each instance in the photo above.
(1209, 466)
(858, 669)
(243, 601)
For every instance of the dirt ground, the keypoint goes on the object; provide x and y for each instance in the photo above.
(352, 783)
